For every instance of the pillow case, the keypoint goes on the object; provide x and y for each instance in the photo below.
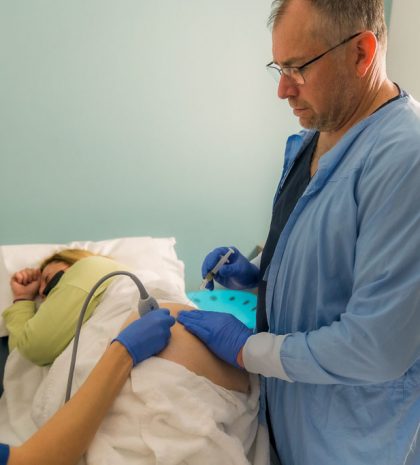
(154, 260)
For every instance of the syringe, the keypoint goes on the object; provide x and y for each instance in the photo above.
(211, 274)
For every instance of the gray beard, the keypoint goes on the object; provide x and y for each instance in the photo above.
(344, 103)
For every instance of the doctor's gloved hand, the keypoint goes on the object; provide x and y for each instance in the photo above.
(222, 333)
(147, 335)
(239, 273)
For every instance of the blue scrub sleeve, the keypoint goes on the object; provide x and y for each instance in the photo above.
(4, 454)
(376, 338)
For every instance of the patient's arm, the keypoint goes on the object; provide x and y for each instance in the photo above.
(187, 350)
(43, 335)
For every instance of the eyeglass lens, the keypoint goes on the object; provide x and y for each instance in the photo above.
(292, 73)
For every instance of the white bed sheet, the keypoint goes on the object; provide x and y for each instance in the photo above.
(164, 415)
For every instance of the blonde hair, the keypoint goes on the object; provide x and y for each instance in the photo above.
(69, 256)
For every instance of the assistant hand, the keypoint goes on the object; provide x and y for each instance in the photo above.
(25, 283)
(147, 335)
(239, 273)
(222, 333)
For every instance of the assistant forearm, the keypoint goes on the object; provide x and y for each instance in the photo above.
(66, 436)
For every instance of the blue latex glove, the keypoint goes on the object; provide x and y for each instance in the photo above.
(148, 335)
(239, 273)
(222, 333)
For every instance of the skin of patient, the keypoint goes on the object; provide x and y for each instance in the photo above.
(189, 351)
(183, 348)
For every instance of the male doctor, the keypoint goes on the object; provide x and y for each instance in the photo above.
(338, 322)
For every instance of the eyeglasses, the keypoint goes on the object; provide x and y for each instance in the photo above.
(295, 72)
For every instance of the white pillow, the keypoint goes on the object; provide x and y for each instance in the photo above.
(154, 260)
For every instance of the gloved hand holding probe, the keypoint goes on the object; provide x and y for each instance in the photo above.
(147, 335)
(222, 333)
(238, 273)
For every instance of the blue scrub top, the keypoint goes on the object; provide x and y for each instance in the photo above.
(344, 285)
(4, 454)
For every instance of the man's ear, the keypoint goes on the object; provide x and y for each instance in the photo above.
(365, 48)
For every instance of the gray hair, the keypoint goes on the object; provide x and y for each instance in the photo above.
(342, 17)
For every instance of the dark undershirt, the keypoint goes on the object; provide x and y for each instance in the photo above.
(292, 190)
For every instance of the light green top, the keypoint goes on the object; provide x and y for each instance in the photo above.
(41, 336)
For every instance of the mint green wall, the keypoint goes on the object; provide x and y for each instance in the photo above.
(404, 41)
(135, 117)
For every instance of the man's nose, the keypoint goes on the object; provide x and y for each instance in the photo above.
(287, 87)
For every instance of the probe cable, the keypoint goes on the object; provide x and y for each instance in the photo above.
(146, 303)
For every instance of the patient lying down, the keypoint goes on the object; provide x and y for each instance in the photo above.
(41, 336)
(184, 406)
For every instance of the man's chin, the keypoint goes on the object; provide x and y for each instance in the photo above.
(307, 123)
(305, 117)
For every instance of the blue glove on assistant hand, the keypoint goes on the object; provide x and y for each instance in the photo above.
(239, 273)
(148, 335)
(222, 333)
